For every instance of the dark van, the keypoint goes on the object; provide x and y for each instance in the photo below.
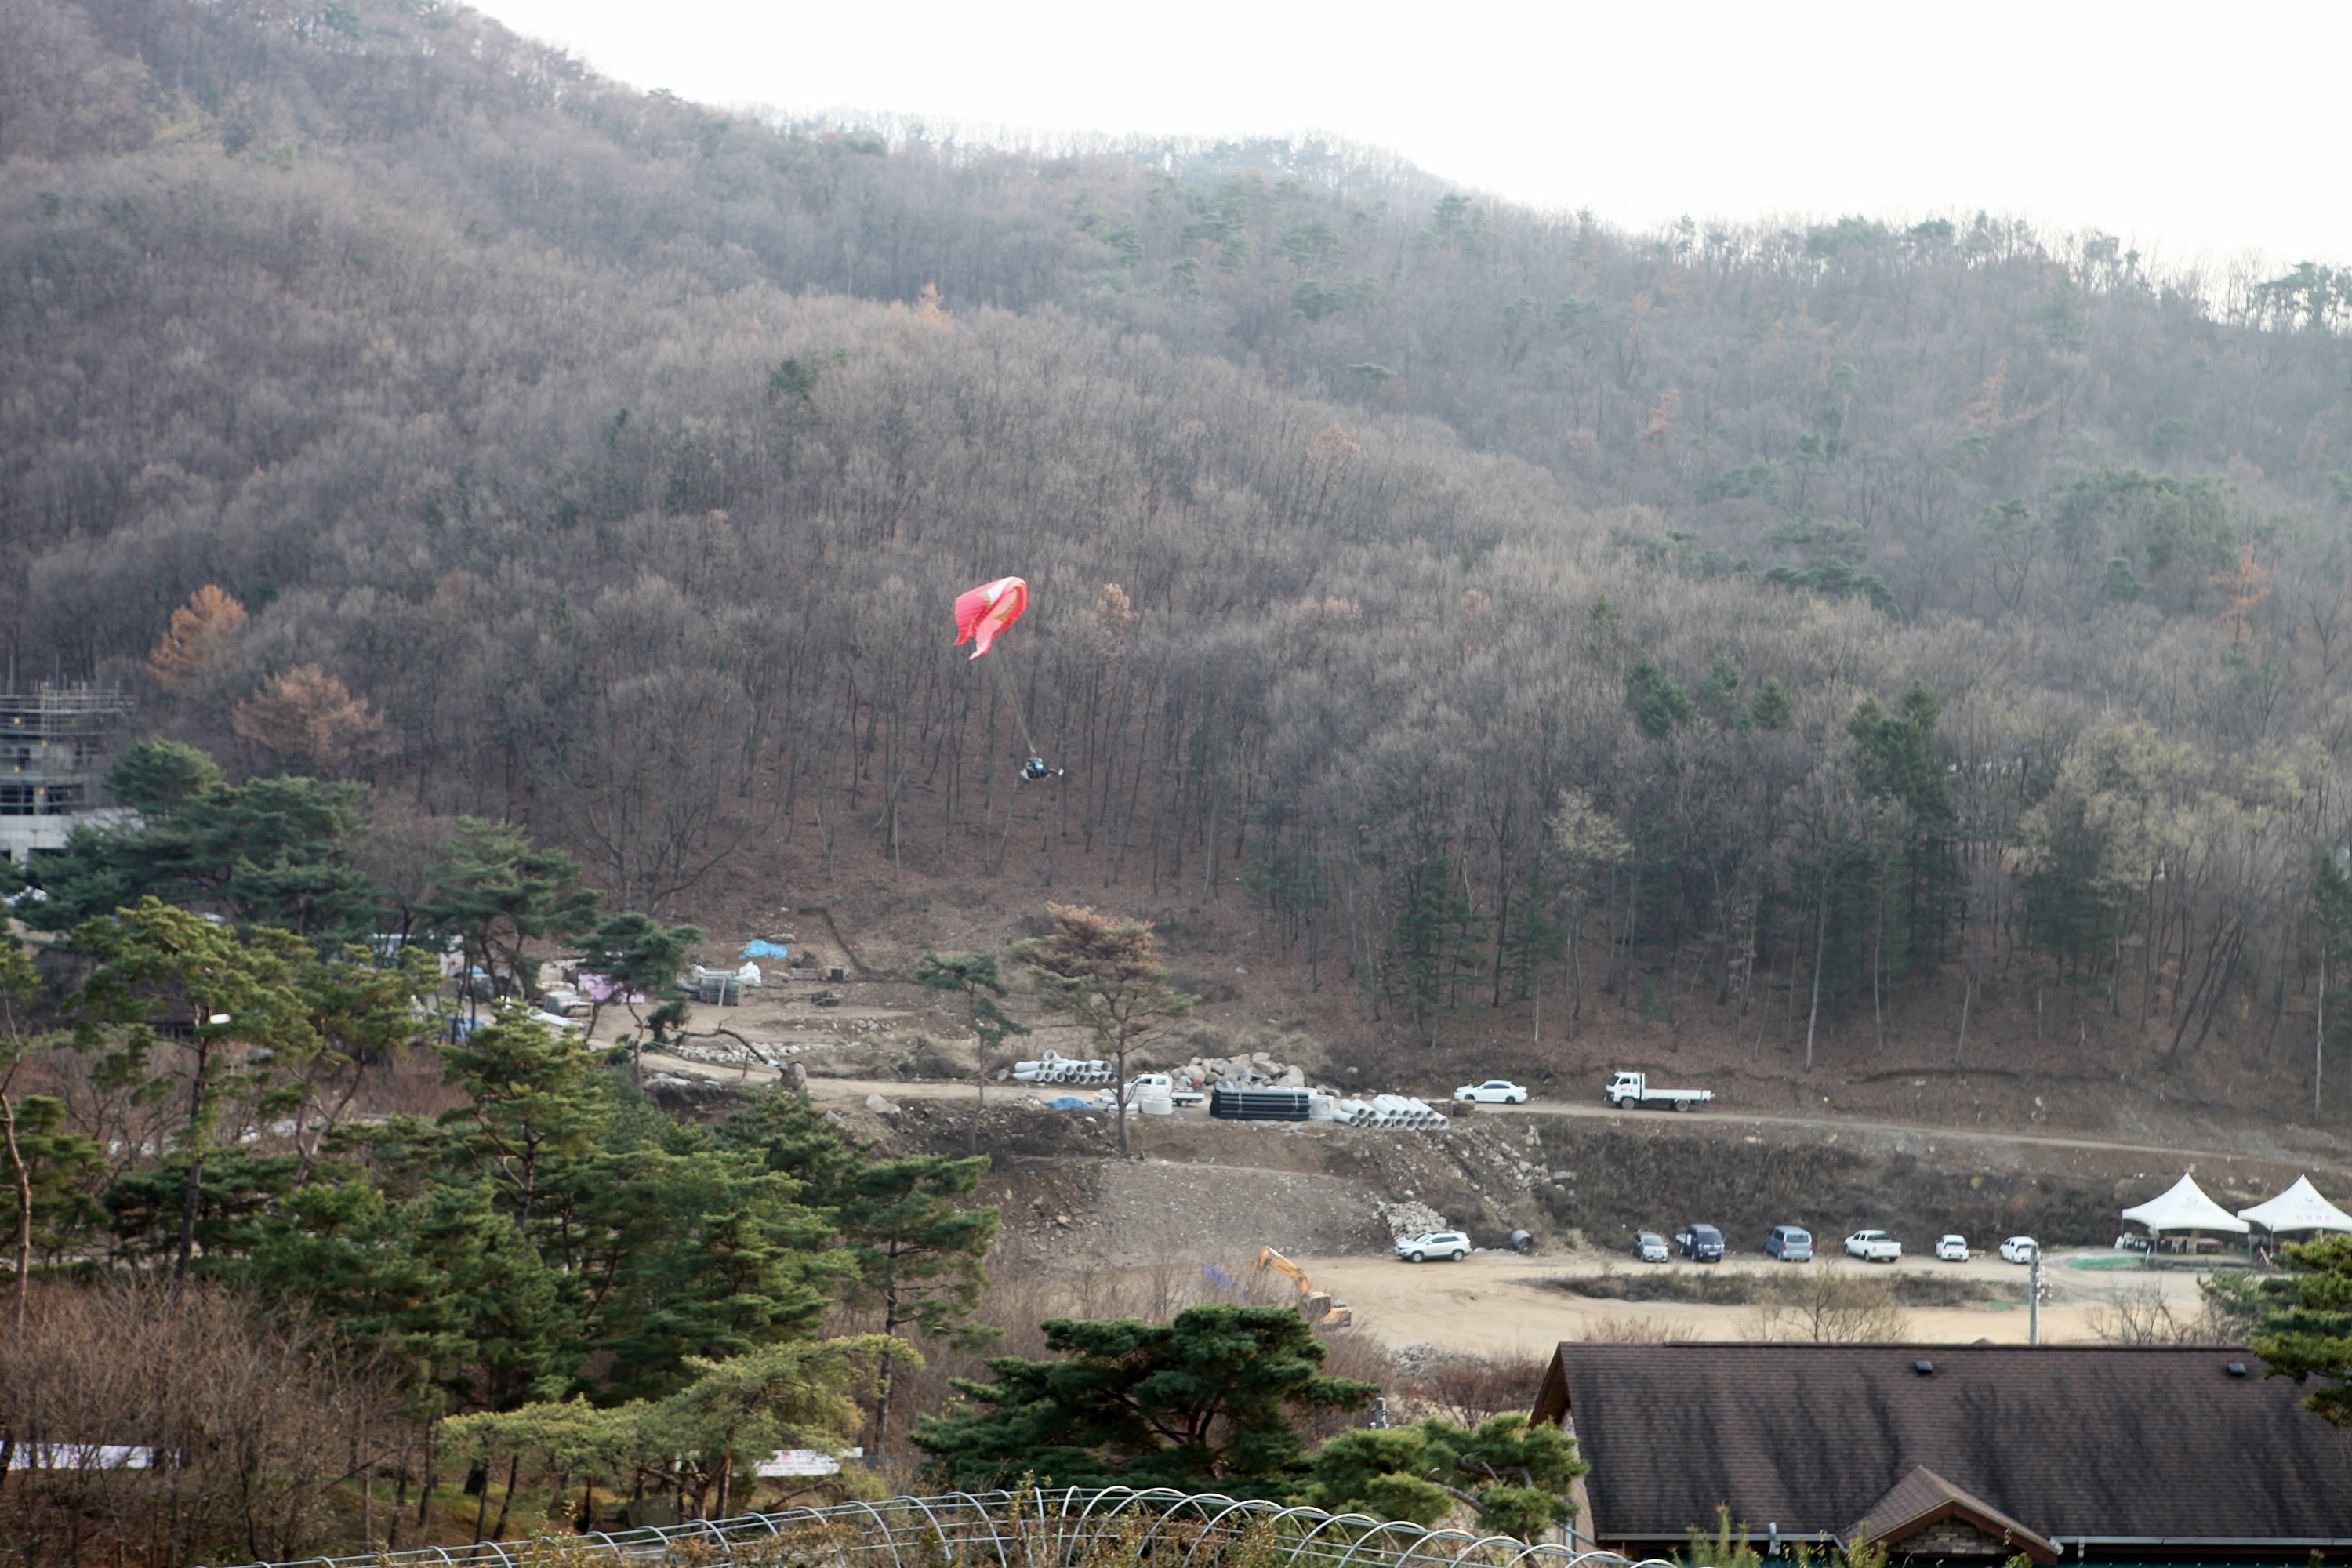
(1700, 1243)
(1790, 1244)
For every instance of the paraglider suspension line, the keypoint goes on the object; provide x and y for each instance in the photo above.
(1013, 698)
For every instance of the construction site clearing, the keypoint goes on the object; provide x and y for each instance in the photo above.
(1207, 1200)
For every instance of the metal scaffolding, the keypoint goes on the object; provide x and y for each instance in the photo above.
(53, 750)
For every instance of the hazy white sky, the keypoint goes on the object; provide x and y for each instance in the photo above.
(2196, 132)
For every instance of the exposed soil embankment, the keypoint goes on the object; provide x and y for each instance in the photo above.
(1619, 1176)
(1217, 1191)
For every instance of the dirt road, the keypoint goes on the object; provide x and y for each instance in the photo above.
(858, 1088)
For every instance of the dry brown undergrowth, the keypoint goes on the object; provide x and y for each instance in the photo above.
(252, 1421)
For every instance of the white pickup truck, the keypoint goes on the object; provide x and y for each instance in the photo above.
(1633, 1089)
(1158, 1085)
(1873, 1247)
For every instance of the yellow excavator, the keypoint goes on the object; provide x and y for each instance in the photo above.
(1315, 1306)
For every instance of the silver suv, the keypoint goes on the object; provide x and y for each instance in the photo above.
(1451, 1244)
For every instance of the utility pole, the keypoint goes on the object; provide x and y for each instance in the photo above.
(2033, 1300)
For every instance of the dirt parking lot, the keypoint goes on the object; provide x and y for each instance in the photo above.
(1498, 1303)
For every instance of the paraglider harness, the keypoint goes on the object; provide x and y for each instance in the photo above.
(1036, 772)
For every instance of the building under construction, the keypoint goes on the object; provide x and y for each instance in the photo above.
(53, 758)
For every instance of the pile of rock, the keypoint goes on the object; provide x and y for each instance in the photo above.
(1408, 1216)
(1255, 1070)
(718, 1053)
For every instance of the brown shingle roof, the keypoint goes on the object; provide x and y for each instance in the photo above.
(2089, 1441)
(1923, 1497)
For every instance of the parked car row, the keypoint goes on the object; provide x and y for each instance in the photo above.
(1625, 1090)
(1702, 1243)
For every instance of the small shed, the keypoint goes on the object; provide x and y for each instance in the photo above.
(2298, 1210)
(2184, 1210)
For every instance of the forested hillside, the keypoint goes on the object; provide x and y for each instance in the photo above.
(1505, 603)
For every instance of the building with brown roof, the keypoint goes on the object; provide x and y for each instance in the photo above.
(1953, 1452)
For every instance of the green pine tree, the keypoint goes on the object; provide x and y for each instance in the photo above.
(918, 1242)
(2309, 1335)
(685, 1250)
(533, 1100)
(638, 956)
(1513, 1473)
(496, 893)
(246, 1020)
(791, 1136)
(50, 1172)
(273, 852)
(1209, 1402)
(1660, 705)
(1439, 943)
(1537, 939)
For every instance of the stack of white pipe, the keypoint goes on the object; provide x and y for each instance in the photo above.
(1392, 1112)
(1054, 1068)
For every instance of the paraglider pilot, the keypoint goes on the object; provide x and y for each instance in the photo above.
(981, 617)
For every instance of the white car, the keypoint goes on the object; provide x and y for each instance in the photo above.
(2019, 1249)
(1952, 1248)
(1873, 1247)
(1429, 1244)
(1494, 1091)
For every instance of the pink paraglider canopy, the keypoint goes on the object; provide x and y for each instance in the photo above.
(988, 610)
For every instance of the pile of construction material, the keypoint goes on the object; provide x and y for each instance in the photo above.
(1239, 1102)
(721, 1052)
(1387, 1113)
(1054, 1068)
(1393, 1111)
(1409, 1217)
(718, 987)
(1255, 1070)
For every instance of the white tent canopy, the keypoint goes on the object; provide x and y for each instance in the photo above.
(2300, 1207)
(2185, 1207)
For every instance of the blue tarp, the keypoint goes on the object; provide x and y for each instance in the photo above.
(761, 947)
(1070, 1102)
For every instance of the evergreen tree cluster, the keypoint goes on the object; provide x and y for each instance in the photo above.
(551, 1251)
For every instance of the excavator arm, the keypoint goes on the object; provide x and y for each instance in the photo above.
(1315, 1306)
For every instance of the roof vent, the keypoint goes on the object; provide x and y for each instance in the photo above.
(1923, 1367)
(2236, 1369)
